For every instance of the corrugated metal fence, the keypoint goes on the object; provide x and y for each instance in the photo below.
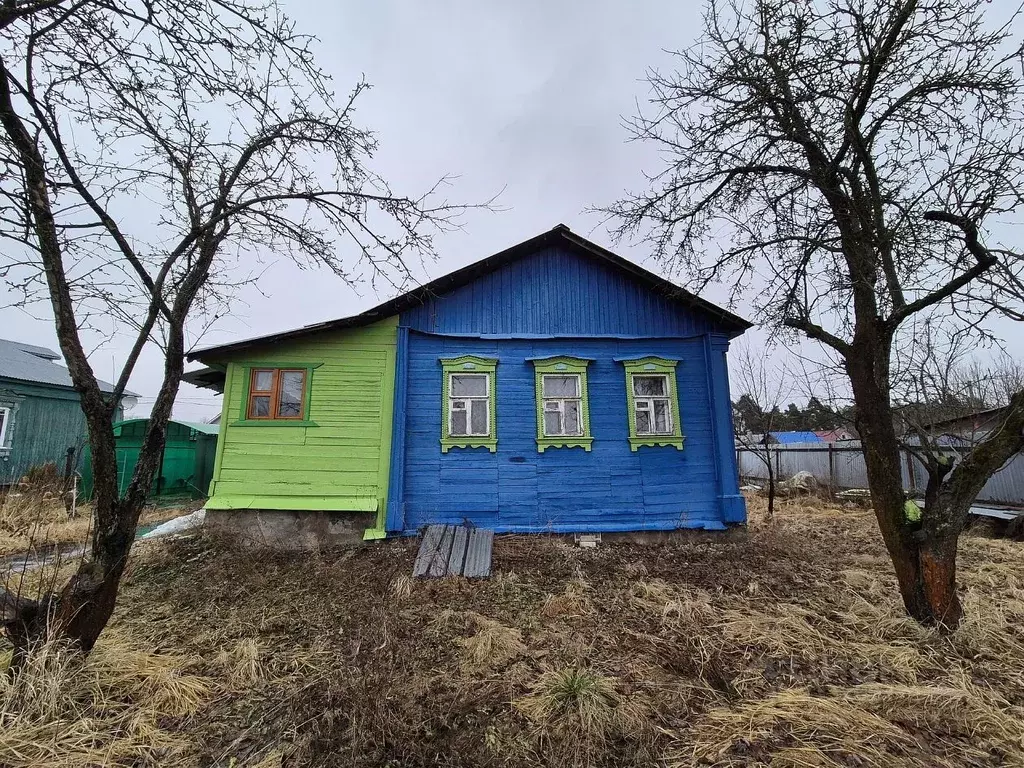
(841, 465)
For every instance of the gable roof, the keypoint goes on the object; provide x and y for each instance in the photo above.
(38, 365)
(559, 235)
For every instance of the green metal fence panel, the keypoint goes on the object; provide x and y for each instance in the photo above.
(186, 466)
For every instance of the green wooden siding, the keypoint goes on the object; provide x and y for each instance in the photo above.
(45, 422)
(341, 463)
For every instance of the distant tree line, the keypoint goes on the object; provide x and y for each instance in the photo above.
(748, 416)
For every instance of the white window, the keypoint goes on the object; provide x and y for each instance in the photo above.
(5, 418)
(651, 404)
(562, 409)
(469, 405)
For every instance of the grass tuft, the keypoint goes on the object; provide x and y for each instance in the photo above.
(577, 711)
(492, 645)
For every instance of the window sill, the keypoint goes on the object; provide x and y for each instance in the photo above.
(491, 443)
(273, 423)
(656, 440)
(543, 443)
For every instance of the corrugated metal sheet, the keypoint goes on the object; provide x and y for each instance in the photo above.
(557, 292)
(845, 469)
(38, 365)
(188, 458)
(790, 438)
(1007, 485)
(454, 550)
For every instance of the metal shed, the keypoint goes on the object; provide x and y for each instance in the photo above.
(187, 465)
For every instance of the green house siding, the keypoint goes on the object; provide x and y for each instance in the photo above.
(45, 422)
(335, 459)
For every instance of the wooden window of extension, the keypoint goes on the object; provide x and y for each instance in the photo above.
(276, 393)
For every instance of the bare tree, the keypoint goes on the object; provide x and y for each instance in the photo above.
(851, 158)
(947, 402)
(151, 153)
(765, 386)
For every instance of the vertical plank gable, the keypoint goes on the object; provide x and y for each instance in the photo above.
(556, 291)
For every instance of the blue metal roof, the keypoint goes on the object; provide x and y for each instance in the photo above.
(796, 437)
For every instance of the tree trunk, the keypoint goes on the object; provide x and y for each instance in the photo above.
(87, 601)
(937, 558)
(914, 560)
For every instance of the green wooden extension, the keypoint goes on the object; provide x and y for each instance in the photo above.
(335, 458)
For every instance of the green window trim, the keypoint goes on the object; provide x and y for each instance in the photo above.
(653, 366)
(562, 364)
(469, 364)
(247, 369)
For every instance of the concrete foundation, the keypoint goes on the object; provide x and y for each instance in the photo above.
(281, 529)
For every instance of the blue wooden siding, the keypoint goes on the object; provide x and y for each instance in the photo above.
(610, 488)
(557, 292)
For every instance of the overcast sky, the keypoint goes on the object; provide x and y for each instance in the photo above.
(524, 97)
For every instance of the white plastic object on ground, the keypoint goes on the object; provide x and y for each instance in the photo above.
(178, 525)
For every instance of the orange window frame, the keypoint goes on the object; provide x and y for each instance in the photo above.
(274, 393)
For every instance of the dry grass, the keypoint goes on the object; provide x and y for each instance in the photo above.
(577, 711)
(36, 523)
(782, 645)
(491, 645)
(30, 522)
(110, 709)
(876, 725)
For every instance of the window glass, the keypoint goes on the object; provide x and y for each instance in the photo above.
(561, 394)
(652, 397)
(552, 422)
(291, 392)
(644, 386)
(662, 417)
(478, 417)
(572, 417)
(561, 386)
(643, 421)
(651, 405)
(468, 415)
(459, 420)
(3, 426)
(263, 381)
(469, 385)
(276, 394)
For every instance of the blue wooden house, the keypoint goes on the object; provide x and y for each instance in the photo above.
(554, 386)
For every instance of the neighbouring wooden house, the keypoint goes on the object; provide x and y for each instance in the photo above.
(40, 414)
(552, 387)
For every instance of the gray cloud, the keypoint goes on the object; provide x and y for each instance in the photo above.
(527, 97)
